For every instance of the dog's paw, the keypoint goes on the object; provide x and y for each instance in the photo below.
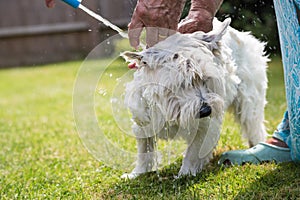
(189, 171)
(182, 174)
(130, 176)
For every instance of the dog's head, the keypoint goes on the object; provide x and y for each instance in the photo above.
(178, 46)
(187, 61)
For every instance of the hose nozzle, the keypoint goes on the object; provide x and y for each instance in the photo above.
(73, 3)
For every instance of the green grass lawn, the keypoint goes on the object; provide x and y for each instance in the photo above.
(42, 156)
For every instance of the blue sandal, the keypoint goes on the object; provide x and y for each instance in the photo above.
(258, 154)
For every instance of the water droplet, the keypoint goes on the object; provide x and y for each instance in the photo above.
(102, 91)
(113, 100)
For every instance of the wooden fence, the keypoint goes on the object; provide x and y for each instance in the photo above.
(31, 34)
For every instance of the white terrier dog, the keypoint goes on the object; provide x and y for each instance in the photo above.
(184, 84)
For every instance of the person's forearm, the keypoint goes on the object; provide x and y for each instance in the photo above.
(210, 6)
(158, 11)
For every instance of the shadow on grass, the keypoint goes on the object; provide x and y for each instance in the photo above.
(278, 182)
(281, 183)
(162, 184)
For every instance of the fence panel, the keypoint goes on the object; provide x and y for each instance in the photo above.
(31, 34)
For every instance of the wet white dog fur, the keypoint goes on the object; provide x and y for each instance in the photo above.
(223, 68)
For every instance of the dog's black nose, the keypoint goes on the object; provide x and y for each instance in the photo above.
(205, 111)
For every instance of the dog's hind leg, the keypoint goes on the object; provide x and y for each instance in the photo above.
(249, 112)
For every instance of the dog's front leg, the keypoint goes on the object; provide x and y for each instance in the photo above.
(145, 158)
(192, 163)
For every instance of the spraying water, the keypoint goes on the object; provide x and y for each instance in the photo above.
(77, 4)
(104, 21)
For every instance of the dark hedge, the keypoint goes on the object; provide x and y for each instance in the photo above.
(257, 16)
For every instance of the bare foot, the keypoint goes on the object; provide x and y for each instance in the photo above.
(277, 142)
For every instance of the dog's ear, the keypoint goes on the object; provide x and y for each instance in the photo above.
(128, 55)
(214, 36)
(219, 30)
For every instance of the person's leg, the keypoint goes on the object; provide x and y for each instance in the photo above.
(289, 33)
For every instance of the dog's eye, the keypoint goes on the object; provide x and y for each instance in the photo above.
(175, 56)
(144, 63)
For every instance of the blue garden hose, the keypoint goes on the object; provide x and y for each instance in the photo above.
(73, 3)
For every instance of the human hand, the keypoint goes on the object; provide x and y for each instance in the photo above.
(50, 3)
(200, 16)
(159, 17)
